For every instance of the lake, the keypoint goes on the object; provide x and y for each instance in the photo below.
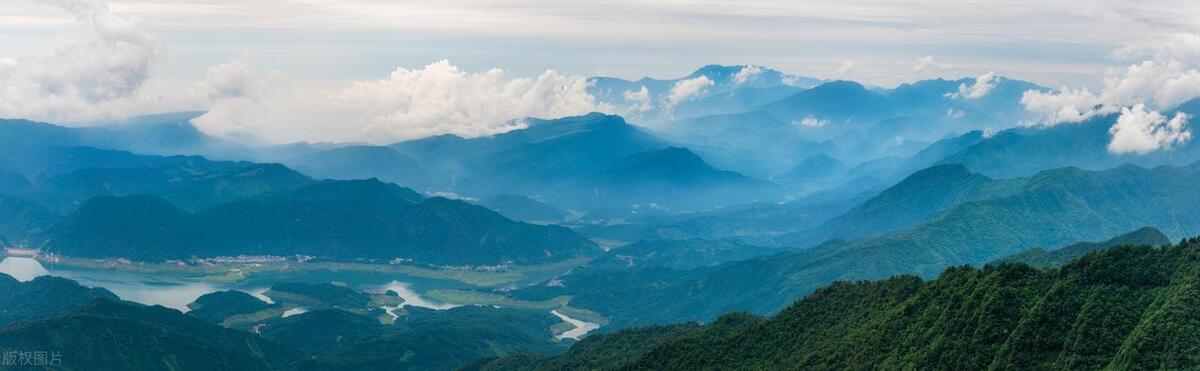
(177, 291)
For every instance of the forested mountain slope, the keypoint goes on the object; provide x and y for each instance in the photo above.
(1125, 308)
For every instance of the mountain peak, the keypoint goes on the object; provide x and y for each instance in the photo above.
(355, 190)
(839, 86)
(675, 164)
(670, 157)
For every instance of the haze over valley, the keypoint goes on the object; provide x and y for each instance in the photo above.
(710, 187)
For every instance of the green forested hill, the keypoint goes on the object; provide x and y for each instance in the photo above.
(43, 297)
(918, 197)
(1038, 257)
(335, 219)
(109, 335)
(1053, 208)
(1124, 308)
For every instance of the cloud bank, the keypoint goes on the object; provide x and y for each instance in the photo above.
(1166, 76)
(106, 74)
(438, 98)
(80, 76)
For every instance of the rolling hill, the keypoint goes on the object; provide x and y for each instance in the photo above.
(1125, 308)
(1052, 208)
(332, 219)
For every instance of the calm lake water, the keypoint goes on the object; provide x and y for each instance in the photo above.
(176, 291)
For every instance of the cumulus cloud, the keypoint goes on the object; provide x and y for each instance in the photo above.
(410, 103)
(1065, 105)
(80, 77)
(106, 74)
(979, 89)
(640, 99)
(686, 90)
(1141, 131)
(1167, 78)
(746, 74)
(231, 80)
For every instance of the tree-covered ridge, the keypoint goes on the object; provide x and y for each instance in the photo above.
(1039, 257)
(334, 219)
(43, 297)
(1123, 308)
(110, 335)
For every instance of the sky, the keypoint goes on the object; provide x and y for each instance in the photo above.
(78, 61)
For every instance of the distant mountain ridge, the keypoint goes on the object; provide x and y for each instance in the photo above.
(1052, 208)
(1038, 257)
(729, 89)
(849, 121)
(332, 219)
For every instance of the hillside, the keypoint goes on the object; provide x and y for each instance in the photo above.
(1124, 308)
(1053, 208)
(109, 335)
(1039, 257)
(916, 198)
(44, 297)
(361, 162)
(60, 178)
(332, 219)
(672, 178)
(1025, 151)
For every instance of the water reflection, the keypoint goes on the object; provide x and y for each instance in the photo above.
(412, 298)
(177, 292)
(23, 269)
(581, 327)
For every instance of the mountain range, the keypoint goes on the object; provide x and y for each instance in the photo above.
(1124, 308)
(345, 220)
(981, 221)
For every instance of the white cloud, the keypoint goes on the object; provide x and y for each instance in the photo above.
(1169, 77)
(80, 77)
(640, 99)
(436, 99)
(846, 66)
(1065, 105)
(1141, 131)
(106, 74)
(231, 80)
(955, 114)
(746, 74)
(922, 63)
(811, 122)
(791, 80)
(686, 90)
(979, 89)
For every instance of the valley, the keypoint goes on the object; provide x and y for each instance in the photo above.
(929, 185)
